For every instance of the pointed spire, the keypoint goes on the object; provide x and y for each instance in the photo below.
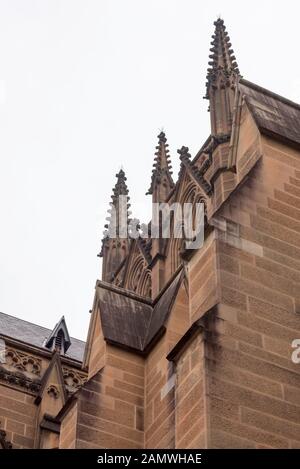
(222, 81)
(162, 168)
(117, 205)
(121, 186)
(115, 243)
(223, 62)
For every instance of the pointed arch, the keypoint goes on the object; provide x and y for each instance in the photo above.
(190, 192)
(144, 286)
(139, 277)
(135, 273)
(176, 245)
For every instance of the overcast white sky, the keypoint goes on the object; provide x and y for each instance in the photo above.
(85, 86)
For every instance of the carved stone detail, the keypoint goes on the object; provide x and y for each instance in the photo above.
(53, 391)
(16, 368)
(19, 379)
(21, 361)
(73, 379)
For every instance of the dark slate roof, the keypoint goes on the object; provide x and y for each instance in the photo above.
(132, 321)
(123, 319)
(275, 115)
(35, 335)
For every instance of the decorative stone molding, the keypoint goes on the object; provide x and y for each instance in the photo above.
(53, 391)
(21, 361)
(18, 378)
(24, 370)
(73, 379)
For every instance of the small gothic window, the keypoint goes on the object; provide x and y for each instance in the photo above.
(59, 341)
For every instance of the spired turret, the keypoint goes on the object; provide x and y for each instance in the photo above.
(162, 182)
(222, 76)
(115, 244)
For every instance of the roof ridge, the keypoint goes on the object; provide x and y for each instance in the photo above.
(270, 93)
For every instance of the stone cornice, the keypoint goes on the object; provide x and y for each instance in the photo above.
(19, 379)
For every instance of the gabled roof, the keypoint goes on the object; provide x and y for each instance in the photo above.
(124, 319)
(55, 362)
(274, 115)
(132, 321)
(35, 335)
(60, 326)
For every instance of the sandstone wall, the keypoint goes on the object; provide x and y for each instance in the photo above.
(253, 386)
(17, 417)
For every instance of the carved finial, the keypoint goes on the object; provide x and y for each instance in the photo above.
(222, 62)
(115, 241)
(198, 175)
(162, 169)
(184, 153)
(162, 137)
(120, 189)
(121, 186)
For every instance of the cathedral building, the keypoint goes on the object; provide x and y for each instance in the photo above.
(186, 348)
